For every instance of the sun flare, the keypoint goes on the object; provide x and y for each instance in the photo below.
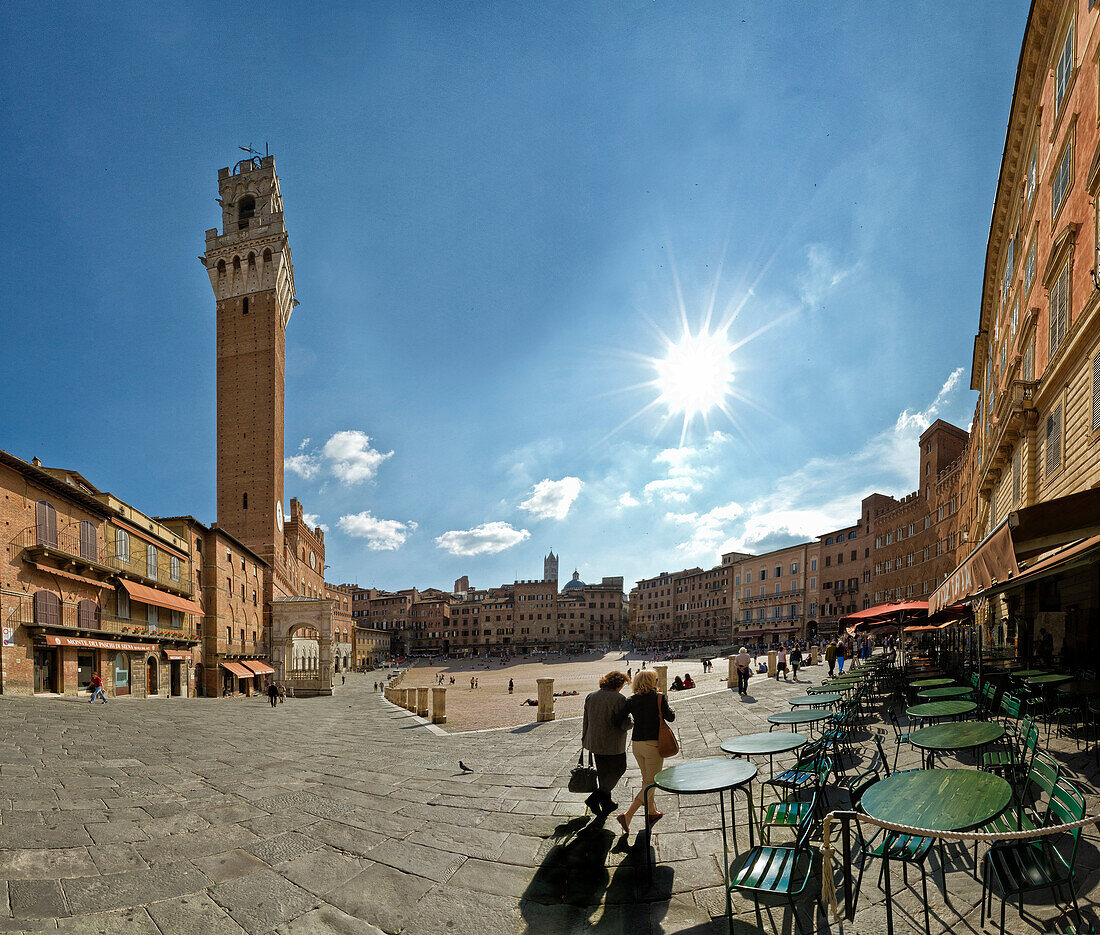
(696, 374)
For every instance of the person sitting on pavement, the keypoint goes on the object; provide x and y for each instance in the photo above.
(677, 684)
(689, 682)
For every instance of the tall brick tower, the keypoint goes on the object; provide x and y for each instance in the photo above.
(252, 276)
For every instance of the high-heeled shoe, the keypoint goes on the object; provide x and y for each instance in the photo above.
(656, 817)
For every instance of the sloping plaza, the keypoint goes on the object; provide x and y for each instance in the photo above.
(347, 814)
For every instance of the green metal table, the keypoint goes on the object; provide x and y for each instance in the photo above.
(765, 743)
(960, 735)
(932, 683)
(1052, 679)
(795, 718)
(1029, 673)
(1084, 687)
(935, 800)
(815, 701)
(938, 709)
(702, 777)
(956, 691)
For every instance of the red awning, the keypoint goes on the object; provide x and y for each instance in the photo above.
(258, 667)
(71, 577)
(237, 669)
(139, 592)
(177, 655)
(929, 627)
(886, 611)
(992, 561)
(99, 644)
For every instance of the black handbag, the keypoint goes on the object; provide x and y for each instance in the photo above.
(583, 778)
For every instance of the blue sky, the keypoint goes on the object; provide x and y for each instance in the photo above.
(496, 210)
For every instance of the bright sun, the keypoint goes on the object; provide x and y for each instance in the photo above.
(696, 374)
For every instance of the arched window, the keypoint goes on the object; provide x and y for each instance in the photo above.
(174, 568)
(45, 522)
(87, 615)
(88, 548)
(221, 267)
(252, 260)
(267, 255)
(47, 609)
(122, 545)
(246, 210)
(151, 561)
(236, 264)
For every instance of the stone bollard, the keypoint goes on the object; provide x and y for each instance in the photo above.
(772, 670)
(546, 699)
(731, 676)
(422, 701)
(439, 706)
(387, 693)
(662, 679)
(408, 698)
(814, 655)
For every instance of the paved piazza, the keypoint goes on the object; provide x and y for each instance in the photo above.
(346, 814)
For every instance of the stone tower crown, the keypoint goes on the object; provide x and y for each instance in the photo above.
(252, 252)
(550, 567)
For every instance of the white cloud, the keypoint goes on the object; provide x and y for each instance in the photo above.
(823, 273)
(709, 529)
(486, 539)
(551, 499)
(382, 535)
(305, 466)
(628, 499)
(351, 457)
(312, 520)
(684, 473)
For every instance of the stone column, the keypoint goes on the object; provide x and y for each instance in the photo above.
(662, 678)
(771, 664)
(813, 652)
(731, 675)
(546, 699)
(410, 699)
(422, 701)
(439, 706)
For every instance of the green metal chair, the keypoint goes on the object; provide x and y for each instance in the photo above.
(1022, 867)
(1013, 759)
(778, 871)
(900, 737)
(1042, 778)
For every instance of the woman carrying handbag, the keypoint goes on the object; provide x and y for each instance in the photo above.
(603, 735)
(652, 739)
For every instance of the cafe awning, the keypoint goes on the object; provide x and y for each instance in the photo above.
(1045, 526)
(258, 667)
(993, 561)
(237, 669)
(929, 627)
(147, 595)
(885, 613)
(176, 655)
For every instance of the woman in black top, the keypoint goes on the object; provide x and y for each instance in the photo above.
(647, 707)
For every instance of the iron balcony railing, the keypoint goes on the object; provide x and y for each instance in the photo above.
(70, 545)
(90, 619)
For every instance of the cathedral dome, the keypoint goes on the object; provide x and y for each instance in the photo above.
(575, 584)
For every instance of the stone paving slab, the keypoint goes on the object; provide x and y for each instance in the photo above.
(344, 815)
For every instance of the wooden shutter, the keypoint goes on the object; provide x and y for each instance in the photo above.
(45, 521)
(87, 614)
(47, 609)
(1059, 310)
(1016, 455)
(88, 547)
(1096, 392)
(1054, 439)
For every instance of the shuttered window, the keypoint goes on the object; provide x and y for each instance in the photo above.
(47, 609)
(1029, 272)
(45, 522)
(88, 547)
(1054, 439)
(122, 545)
(1016, 457)
(1060, 183)
(151, 561)
(1064, 70)
(123, 605)
(174, 568)
(1028, 368)
(1059, 310)
(1096, 392)
(152, 616)
(87, 615)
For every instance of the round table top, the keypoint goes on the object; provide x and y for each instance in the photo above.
(957, 736)
(803, 701)
(938, 799)
(799, 717)
(713, 774)
(1029, 673)
(1081, 687)
(945, 692)
(948, 708)
(765, 743)
(933, 683)
(1052, 679)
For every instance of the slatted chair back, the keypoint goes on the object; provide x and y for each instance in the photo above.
(1030, 738)
(1043, 776)
(882, 754)
(1067, 805)
(892, 719)
(806, 823)
(1010, 706)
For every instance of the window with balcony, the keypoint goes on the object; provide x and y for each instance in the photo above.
(123, 605)
(45, 523)
(151, 561)
(122, 545)
(1059, 310)
(87, 615)
(47, 609)
(1059, 185)
(88, 547)
(174, 568)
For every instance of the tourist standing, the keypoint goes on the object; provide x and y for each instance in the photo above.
(603, 734)
(282, 693)
(648, 707)
(830, 656)
(796, 662)
(781, 664)
(512, 688)
(273, 693)
(743, 663)
(96, 685)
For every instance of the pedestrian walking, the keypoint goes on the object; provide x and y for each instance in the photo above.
(282, 693)
(96, 685)
(343, 679)
(781, 664)
(830, 657)
(603, 734)
(796, 662)
(512, 687)
(743, 663)
(647, 707)
(841, 652)
(273, 693)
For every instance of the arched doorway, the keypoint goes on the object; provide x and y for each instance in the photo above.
(122, 674)
(151, 687)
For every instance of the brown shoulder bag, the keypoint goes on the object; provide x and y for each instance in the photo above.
(666, 740)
